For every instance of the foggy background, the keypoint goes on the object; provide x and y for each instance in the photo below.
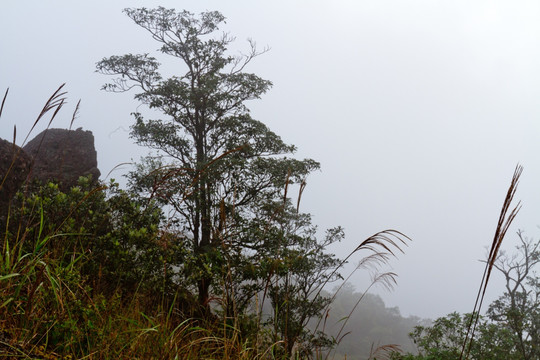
(418, 111)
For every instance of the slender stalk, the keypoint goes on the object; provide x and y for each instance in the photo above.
(505, 220)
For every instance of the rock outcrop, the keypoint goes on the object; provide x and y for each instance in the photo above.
(63, 156)
(14, 167)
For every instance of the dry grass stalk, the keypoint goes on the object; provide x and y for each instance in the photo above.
(383, 351)
(500, 232)
(3, 101)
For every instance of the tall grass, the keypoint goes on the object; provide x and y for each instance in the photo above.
(504, 222)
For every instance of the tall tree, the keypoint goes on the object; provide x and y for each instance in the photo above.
(215, 163)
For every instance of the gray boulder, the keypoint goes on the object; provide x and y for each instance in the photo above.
(14, 168)
(63, 156)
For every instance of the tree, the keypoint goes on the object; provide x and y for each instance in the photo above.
(298, 270)
(443, 340)
(215, 164)
(518, 309)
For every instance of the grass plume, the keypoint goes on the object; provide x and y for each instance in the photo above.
(505, 220)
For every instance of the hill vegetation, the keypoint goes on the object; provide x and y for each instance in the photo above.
(206, 254)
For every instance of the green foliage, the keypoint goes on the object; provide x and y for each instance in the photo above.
(444, 340)
(116, 232)
(77, 268)
(297, 270)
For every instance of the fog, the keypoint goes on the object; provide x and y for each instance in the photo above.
(418, 111)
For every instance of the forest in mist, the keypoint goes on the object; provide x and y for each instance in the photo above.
(205, 251)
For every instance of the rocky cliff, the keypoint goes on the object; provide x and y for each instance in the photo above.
(14, 168)
(63, 156)
(59, 155)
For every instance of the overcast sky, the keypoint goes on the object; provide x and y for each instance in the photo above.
(417, 110)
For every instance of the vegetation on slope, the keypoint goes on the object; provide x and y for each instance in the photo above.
(100, 272)
(235, 270)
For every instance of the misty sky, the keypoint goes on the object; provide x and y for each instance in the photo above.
(417, 110)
